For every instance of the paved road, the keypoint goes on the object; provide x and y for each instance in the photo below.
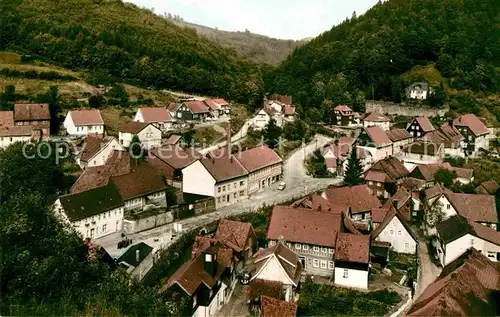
(298, 182)
(428, 271)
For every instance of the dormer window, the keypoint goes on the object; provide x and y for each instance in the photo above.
(208, 258)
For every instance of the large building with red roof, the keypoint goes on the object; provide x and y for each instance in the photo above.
(158, 116)
(474, 131)
(27, 122)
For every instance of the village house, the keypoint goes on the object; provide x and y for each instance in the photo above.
(345, 116)
(12, 134)
(418, 91)
(391, 227)
(457, 234)
(400, 138)
(403, 203)
(189, 110)
(149, 134)
(96, 151)
(176, 139)
(239, 236)
(352, 260)
(223, 178)
(214, 108)
(474, 207)
(84, 122)
(223, 104)
(136, 259)
(93, 213)
(449, 136)
(281, 264)
(475, 133)
(375, 140)
(337, 154)
(384, 176)
(356, 201)
(263, 165)
(487, 188)
(377, 119)
(158, 116)
(465, 287)
(422, 153)
(426, 173)
(420, 126)
(263, 116)
(34, 115)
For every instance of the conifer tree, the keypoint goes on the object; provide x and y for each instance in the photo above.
(272, 134)
(354, 172)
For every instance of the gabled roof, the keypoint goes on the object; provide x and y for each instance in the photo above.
(16, 131)
(155, 114)
(427, 171)
(401, 196)
(378, 136)
(86, 117)
(6, 118)
(176, 156)
(212, 104)
(358, 198)
(396, 135)
(196, 106)
(352, 248)
(472, 122)
(458, 226)
(344, 109)
(376, 117)
(487, 188)
(142, 179)
(391, 213)
(257, 158)
(375, 176)
(224, 168)
(31, 112)
(234, 233)
(412, 183)
(133, 127)
(434, 191)
(425, 124)
(93, 145)
(202, 243)
(342, 148)
(466, 173)
(288, 110)
(130, 256)
(92, 202)
(321, 204)
(304, 226)
(287, 259)
(173, 139)
(480, 208)
(272, 307)
(392, 167)
(464, 288)
(379, 214)
(221, 101)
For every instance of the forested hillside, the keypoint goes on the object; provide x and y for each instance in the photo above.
(116, 41)
(377, 54)
(259, 48)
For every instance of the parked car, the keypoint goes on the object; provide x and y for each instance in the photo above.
(281, 186)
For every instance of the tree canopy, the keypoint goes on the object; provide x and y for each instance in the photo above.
(354, 171)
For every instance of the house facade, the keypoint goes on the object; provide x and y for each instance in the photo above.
(400, 139)
(149, 134)
(420, 126)
(418, 91)
(375, 140)
(84, 122)
(190, 110)
(97, 150)
(419, 153)
(36, 116)
(158, 116)
(352, 260)
(395, 230)
(345, 116)
(377, 119)
(475, 134)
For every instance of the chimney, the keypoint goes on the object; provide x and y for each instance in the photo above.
(210, 261)
(229, 138)
(137, 258)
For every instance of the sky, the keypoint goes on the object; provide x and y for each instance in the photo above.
(283, 19)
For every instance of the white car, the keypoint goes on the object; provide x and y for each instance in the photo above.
(281, 186)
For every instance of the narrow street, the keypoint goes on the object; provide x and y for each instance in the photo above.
(428, 270)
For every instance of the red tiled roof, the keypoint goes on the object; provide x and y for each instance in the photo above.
(202, 243)
(6, 118)
(425, 124)
(392, 167)
(343, 109)
(378, 214)
(398, 135)
(257, 158)
(487, 188)
(288, 260)
(173, 139)
(11, 131)
(31, 111)
(464, 288)
(376, 117)
(387, 219)
(472, 122)
(479, 208)
(319, 203)
(234, 233)
(142, 179)
(93, 144)
(176, 156)
(433, 191)
(466, 173)
(271, 307)
(221, 101)
(224, 168)
(155, 114)
(412, 183)
(289, 110)
(375, 176)
(428, 170)
(212, 104)
(330, 162)
(401, 196)
(358, 198)
(86, 117)
(353, 248)
(196, 106)
(304, 226)
(172, 106)
(133, 127)
(378, 136)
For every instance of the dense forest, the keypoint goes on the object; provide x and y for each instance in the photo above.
(117, 41)
(371, 56)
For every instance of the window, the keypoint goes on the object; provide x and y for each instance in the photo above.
(305, 247)
(315, 263)
(391, 232)
(235, 195)
(448, 206)
(297, 246)
(330, 265)
(178, 116)
(346, 273)
(379, 184)
(272, 242)
(218, 200)
(324, 250)
(323, 264)
(330, 251)
(104, 228)
(242, 183)
(10, 139)
(218, 189)
(399, 232)
(316, 249)
(492, 255)
(407, 245)
(370, 183)
(224, 188)
(289, 245)
(234, 185)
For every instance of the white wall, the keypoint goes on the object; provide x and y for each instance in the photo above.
(261, 120)
(383, 125)
(395, 233)
(102, 156)
(458, 247)
(273, 271)
(150, 137)
(81, 130)
(355, 278)
(5, 141)
(197, 180)
(418, 94)
(378, 153)
(231, 191)
(411, 158)
(446, 206)
(214, 305)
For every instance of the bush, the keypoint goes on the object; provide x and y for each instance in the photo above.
(32, 74)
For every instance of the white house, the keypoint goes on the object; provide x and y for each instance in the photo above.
(394, 229)
(419, 91)
(262, 118)
(84, 122)
(223, 178)
(457, 234)
(93, 213)
(11, 135)
(375, 140)
(377, 119)
(149, 134)
(352, 260)
(97, 150)
(281, 264)
(158, 116)
(475, 134)
(400, 138)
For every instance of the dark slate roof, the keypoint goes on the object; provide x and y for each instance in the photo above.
(92, 202)
(130, 257)
(453, 228)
